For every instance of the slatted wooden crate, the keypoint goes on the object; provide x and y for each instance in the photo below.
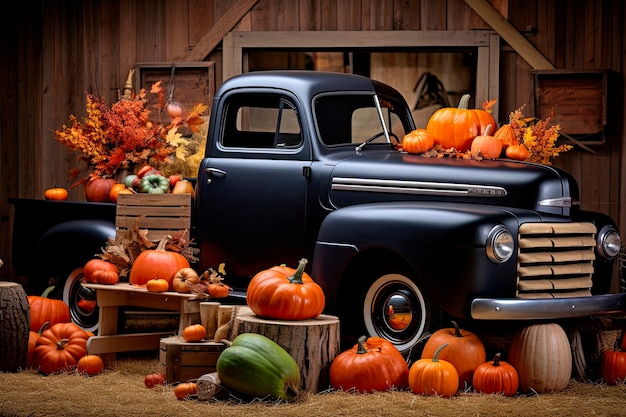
(181, 361)
(163, 213)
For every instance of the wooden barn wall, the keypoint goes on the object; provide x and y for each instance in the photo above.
(56, 50)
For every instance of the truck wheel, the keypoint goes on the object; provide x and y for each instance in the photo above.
(81, 300)
(392, 306)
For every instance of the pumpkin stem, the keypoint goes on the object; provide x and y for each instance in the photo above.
(439, 349)
(361, 345)
(61, 344)
(296, 278)
(163, 242)
(496, 359)
(457, 331)
(487, 129)
(464, 102)
(226, 342)
(43, 327)
(47, 292)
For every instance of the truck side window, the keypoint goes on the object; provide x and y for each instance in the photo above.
(261, 121)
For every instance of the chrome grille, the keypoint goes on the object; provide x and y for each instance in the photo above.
(555, 260)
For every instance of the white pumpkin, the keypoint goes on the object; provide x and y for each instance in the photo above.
(542, 356)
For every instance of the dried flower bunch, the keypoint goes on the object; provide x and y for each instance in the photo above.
(538, 136)
(125, 135)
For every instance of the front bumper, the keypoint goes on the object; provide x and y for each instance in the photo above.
(547, 308)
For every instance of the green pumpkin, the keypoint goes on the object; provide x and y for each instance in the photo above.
(255, 365)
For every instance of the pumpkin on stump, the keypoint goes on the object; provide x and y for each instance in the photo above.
(542, 356)
(373, 364)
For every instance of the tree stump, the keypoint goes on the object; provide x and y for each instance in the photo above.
(313, 344)
(14, 327)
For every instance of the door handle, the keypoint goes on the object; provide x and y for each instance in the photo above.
(211, 172)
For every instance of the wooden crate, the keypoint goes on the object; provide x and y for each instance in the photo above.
(163, 213)
(181, 361)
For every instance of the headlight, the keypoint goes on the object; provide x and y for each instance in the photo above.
(500, 244)
(609, 242)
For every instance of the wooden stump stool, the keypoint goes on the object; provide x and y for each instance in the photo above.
(14, 327)
(313, 344)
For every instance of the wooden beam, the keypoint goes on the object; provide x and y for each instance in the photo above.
(220, 29)
(518, 42)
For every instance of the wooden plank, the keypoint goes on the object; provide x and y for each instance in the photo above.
(177, 40)
(510, 34)
(215, 35)
(125, 342)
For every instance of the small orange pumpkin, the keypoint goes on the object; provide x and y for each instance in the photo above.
(157, 285)
(32, 343)
(518, 152)
(90, 365)
(185, 389)
(115, 190)
(97, 189)
(184, 278)
(194, 333)
(496, 377)
(106, 277)
(613, 366)
(418, 141)
(94, 265)
(506, 136)
(486, 145)
(56, 193)
(434, 376)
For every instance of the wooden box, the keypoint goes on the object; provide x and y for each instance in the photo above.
(181, 361)
(578, 99)
(163, 214)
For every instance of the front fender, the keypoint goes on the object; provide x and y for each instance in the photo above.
(444, 243)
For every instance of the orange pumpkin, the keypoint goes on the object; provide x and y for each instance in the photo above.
(56, 193)
(457, 127)
(157, 262)
(285, 293)
(94, 265)
(44, 309)
(518, 152)
(97, 189)
(115, 190)
(90, 365)
(194, 333)
(496, 377)
(506, 136)
(487, 146)
(465, 351)
(418, 141)
(106, 277)
(434, 376)
(185, 389)
(157, 285)
(613, 366)
(60, 347)
(184, 278)
(373, 364)
(32, 343)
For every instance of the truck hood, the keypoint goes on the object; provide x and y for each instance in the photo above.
(404, 177)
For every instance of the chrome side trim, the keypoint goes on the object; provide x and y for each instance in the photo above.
(556, 202)
(547, 308)
(416, 187)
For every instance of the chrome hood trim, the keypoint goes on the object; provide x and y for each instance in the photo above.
(416, 187)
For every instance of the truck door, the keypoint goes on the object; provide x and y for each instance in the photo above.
(252, 190)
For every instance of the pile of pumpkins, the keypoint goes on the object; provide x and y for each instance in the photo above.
(464, 130)
(147, 180)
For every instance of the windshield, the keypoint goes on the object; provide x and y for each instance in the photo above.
(348, 119)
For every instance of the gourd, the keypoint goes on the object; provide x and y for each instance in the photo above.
(157, 262)
(496, 377)
(257, 366)
(185, 389)
(285, 293)
(457, 127)
(517, 152)
(418, 141)
(487, 146)
(90, 365)
(184, 278)
(465, 351)
(613, 366)
(44, 309)
(542, 356)
(506, 136)
(157, 285)
(194, 333)
(373, 364)
(106, 277)
(56, 193)
(60, 347)
(434, 376)
(94, 265)
(154, 379)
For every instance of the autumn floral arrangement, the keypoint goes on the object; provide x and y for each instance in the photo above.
(128, 134)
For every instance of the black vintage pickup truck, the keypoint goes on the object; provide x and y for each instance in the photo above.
(306, 164)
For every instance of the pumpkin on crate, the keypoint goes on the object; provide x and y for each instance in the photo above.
(457, 127)
(542, 355)
(285, 293)
(194, 333)
(60, 347)
(44, 309)
(255, 365)
(496, 377)
(157, 262)
(465, 351)
(373, 364)
(434, 376)
(98, 189)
